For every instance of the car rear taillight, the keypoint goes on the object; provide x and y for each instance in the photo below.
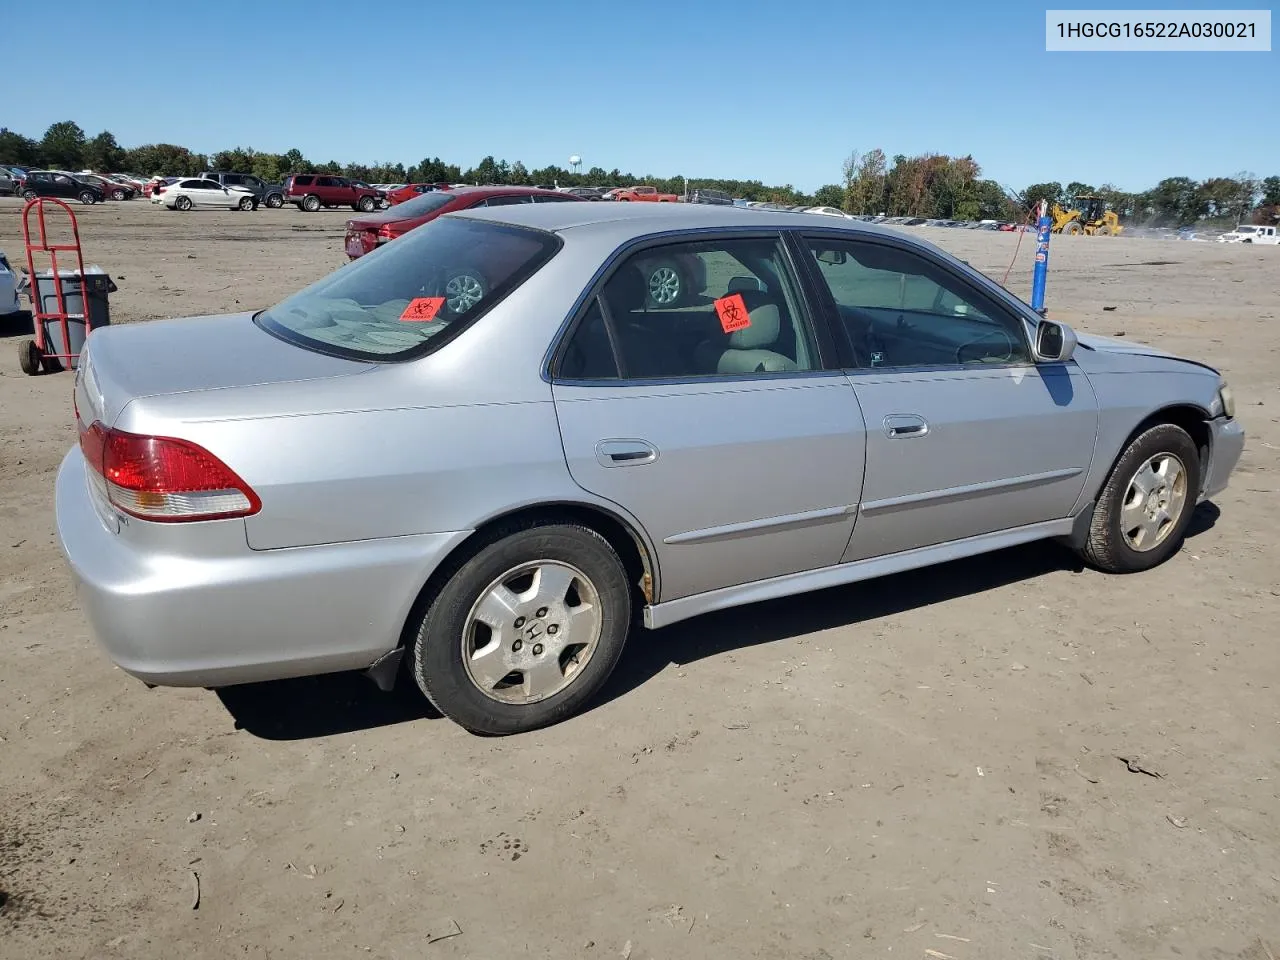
(385, 232)
(162, 478)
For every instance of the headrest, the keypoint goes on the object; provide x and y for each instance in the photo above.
(626, 289)
(766, 324)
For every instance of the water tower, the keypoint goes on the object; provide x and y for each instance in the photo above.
(575, 163)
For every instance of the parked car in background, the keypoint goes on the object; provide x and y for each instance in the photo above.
(411, 190)
(194, 192)
(125, 180)
(826, 211)
(584, 193)
(9, 303)
(313, 191)
(367, 233)
(154, 189)
(315, 487)
(644, 194)
(9, 183)
(112, 189)
(670, 280)
(266, 194)
(1250, 233)
(55, 183)
(709, 195)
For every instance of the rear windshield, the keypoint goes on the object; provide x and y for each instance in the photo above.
(423, 203)
(413, 294)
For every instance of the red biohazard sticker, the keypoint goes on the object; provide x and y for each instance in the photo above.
(422, 309)
(732, 311)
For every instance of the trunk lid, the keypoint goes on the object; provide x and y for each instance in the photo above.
(163, 357)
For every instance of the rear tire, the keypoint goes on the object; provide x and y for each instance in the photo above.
(566, 588)
(1146, 504)
(311, 203)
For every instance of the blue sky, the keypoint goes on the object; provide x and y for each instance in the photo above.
(745, 89)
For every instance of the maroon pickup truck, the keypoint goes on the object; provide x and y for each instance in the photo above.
(311, 191)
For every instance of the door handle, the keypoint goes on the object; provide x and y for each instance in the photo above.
(905, 426)
(625, 453)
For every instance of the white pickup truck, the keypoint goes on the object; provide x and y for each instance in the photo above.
(1248, 233)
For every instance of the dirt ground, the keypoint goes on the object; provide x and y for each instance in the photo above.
(928, 762)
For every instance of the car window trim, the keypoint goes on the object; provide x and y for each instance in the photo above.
(831, 308)
(817, 323)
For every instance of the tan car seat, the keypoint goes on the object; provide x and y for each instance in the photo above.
(749, 348)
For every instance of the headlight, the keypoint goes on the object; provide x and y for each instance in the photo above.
(1228, 400)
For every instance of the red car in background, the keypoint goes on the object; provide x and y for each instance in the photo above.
(409, 191)
(364, 234)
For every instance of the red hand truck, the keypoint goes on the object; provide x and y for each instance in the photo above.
(40, 351)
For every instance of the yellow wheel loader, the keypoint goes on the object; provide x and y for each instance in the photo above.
(1088, 215)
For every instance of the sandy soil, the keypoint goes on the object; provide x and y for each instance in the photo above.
(923, 763)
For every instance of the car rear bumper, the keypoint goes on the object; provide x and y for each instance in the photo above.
(1226, 446)
(238, 615)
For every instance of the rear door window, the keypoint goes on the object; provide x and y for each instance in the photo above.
(416, 294)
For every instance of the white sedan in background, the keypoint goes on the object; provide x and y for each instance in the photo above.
(194, 192)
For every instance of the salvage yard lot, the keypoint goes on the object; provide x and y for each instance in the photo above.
(925, 762)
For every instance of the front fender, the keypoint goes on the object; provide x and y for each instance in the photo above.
(1130, 397)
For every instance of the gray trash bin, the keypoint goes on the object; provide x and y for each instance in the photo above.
(85, 295)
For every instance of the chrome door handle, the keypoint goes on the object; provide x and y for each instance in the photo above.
(625, 453)
(904, 426)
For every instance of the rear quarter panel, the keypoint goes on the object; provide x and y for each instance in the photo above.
(439, 444)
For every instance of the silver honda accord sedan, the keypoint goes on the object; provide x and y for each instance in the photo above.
(493, 493)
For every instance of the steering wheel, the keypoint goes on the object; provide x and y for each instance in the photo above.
(987, 356)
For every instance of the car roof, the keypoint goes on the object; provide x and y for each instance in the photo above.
(617, 220)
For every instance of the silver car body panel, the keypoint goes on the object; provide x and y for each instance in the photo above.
(992, 448)
(372, 473)
(744, 480)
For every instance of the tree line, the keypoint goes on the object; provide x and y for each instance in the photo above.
(934, 185)
(928, 185)
(65, 146)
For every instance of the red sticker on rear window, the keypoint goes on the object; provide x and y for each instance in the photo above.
(732, 311)
(422, 309)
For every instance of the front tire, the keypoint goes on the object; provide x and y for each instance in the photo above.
(29, 194)
(366, 205)
(183, 203)
(275, 201)
(525, 631)
(87, 198)
(246, 203)
(1146, 505)
(311, 203)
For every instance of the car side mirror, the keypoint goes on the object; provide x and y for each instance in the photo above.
(1055, 342)
(832, 257)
